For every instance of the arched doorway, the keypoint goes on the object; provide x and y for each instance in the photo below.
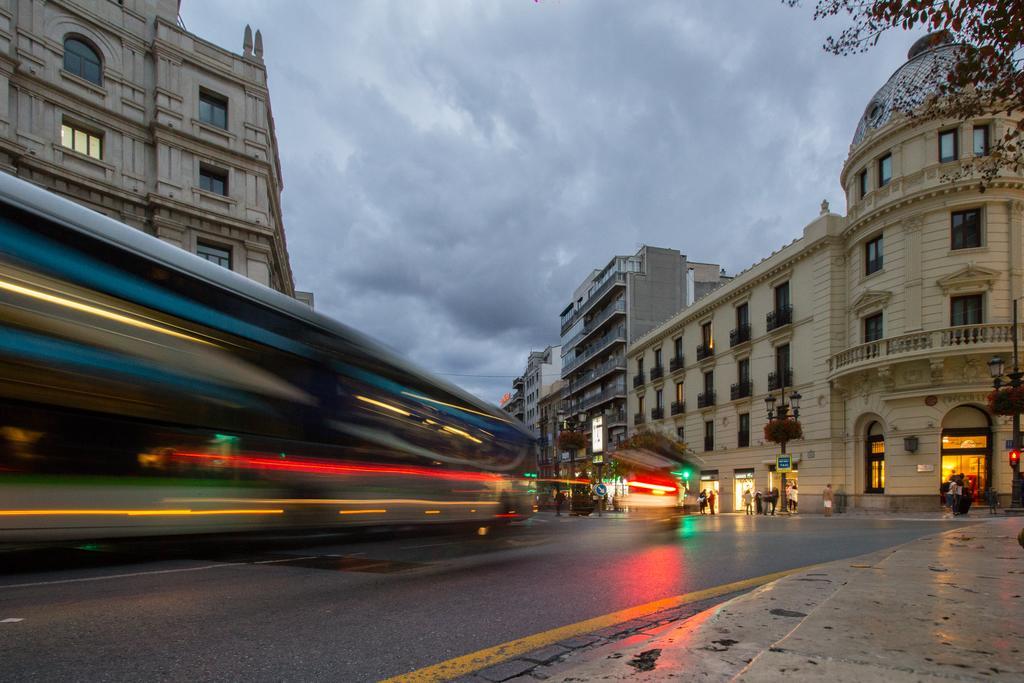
(967, 447)
(874, 459)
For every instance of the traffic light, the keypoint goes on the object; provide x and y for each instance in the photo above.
(1015, 458)
(530, 475)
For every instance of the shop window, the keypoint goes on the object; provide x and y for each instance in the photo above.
(82, 141)
(948, 146)
(884, 170)
(873, 256)
(965, 310)
(965, 229)
(874, 458)
(981, 141)
(82, 60)
(873, 328)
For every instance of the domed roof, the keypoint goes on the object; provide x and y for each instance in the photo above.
(928, 62)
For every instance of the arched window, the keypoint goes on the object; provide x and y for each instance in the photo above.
(81, 60)
(874, 459)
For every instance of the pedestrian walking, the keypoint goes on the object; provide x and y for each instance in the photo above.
(793, 498)
(747, 501)
(703, 500)
(559, 502)
(958, 489)
(826, 499)
(759, 499)
(773, 497)
(711, 502)
(993, 500)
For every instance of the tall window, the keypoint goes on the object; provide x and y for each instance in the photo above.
(966, 229)
(659, 400)
(874, 460)
(742, 316)
(81, 141)
(743, 369)
(213, 109)
(884, 170)
(640, 366)
(709, 435)
(873, 328)
(677, 347)
(218, 255)
(981, 141)
(743, 437)
(706, 337)
(709, 383)
(873, 256)
(640, 404)
(213, 180)
(947, 146)
(657, 358)
(83, 61)
(862, 182)
(680, 433)
(782, 362)
(679, 392)
(782, 297)
(965, 310)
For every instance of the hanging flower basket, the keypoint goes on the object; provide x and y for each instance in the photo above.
(781, 431)
(571, 441)
(1006, 401)
(658, 443)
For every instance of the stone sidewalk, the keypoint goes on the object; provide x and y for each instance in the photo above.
(945, 607)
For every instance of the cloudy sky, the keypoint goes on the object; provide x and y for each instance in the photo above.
(454, 168)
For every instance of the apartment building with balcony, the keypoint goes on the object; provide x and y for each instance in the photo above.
(625, 299)
(543, 368)
(883, 319)
(514, 402)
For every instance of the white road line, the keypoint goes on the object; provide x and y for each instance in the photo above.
(10, 620)
(287, 559)
(428, 545)
(123, 576)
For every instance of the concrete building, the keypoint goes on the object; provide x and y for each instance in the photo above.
(514, 402)
(549, 407)
(620, 302)
(883, 319)
(116, 106)
(542, 369)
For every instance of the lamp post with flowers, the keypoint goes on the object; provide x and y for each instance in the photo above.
(572, 438)
(1007, 398)
(783, 427)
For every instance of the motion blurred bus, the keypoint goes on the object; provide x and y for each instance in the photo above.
(147, 391)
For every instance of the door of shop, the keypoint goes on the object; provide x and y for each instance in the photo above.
(744, 481)
(967, 452)
(709, 483)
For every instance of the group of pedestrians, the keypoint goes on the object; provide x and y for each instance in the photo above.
(706, 502)
(765, 503)
(958, 494)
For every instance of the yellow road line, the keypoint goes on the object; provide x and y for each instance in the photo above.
(481, 659)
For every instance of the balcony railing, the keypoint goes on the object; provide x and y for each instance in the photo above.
(777, 380)
(596, 373)
(588, 402)
(981, 337)
(675, 364)
(657, 413)
(657, 372)
(603, 316)
(779, 317)
(743, 439)
(615, 417)
(639, 418)
(741, 390)
(709, 443)
(570, 318)
(638, 380)
(705, 399)
(705, 351)
(678, 407)
(739, 335)
(616, 334)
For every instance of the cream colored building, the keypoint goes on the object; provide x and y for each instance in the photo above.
(896, 309)
(116, 106)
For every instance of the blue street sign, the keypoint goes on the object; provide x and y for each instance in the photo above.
(782, 463)
(601, 490)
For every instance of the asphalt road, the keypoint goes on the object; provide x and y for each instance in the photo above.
(362, 611)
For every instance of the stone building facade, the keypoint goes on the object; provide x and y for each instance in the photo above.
(115, 105)
(883, 320)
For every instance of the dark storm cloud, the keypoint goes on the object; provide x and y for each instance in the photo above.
(453, 169)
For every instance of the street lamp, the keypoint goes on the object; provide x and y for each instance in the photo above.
(782, 412)
(997, 368)
(572, 423)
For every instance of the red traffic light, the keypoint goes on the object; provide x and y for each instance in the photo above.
(1015, 457)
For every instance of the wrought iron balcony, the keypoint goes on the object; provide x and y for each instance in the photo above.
(615, 417)
(638, 380)
(657, 372)
(657, 413)
(739, 335)
(639, 418)
(675, 363)
(705, 351)
(678, 407)
(777, 380)
(705, 399)
(741, 390)
(779, 317)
